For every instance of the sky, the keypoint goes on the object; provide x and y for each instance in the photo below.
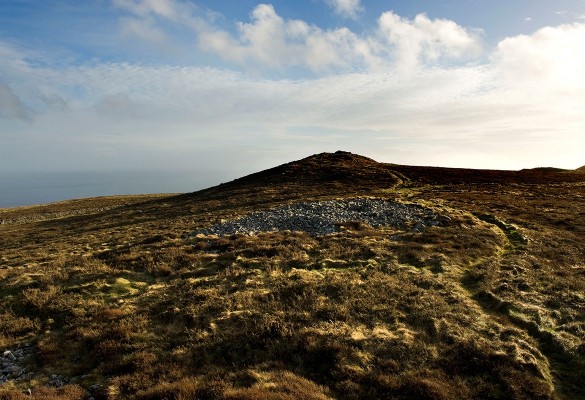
(218, 89)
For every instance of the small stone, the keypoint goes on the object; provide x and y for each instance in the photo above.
(95, 388)
(18, 373)
(8, 355)
(419, 227)
(11, 369)
(444, 219)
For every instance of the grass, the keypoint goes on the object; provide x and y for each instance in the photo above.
(114, 292)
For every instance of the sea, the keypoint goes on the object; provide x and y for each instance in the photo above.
(28, 188)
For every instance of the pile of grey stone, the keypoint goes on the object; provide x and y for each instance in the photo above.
(11, 364)
(325, 217)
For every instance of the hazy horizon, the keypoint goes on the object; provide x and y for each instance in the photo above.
(41, 187)
(33, 188)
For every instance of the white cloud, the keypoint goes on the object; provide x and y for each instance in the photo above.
(423, 39)
(345, 8)
(551, 59)
(270, 41)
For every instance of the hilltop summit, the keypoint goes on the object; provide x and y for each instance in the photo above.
(320, 174)
(341, 166)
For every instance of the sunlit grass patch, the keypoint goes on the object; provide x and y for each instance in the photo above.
(122, 287)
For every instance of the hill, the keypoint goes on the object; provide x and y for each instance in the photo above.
(384, 281)
(317, 175)
(581, 169)
(546, 169)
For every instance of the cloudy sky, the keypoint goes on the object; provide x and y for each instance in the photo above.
(233, 86)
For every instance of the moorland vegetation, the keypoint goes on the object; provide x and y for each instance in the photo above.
(121, 297)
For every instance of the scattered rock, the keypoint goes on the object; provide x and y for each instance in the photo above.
(324, 217)
(18, 373)
(11, 369)
(419, 227)
(98, 391)
(95, 388)
(57, 381)
(11, 364)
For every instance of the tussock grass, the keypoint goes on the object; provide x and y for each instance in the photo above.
(126, 299)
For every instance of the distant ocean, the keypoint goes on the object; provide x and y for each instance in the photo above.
(38, 188)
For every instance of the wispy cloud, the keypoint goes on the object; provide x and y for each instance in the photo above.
(144, 29)
(569, 15)
(394, 94)
(169, 9)
(11, 106)
(346, 8)
(148, 17)
(119, 106)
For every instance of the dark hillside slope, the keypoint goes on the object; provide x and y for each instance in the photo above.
(324, 168)
(322, 174)
(441, 175)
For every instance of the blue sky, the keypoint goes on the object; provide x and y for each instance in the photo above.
(231, 87)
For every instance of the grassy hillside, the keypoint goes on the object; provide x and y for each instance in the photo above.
(120, 297)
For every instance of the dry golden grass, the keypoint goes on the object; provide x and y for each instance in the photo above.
(491, 305)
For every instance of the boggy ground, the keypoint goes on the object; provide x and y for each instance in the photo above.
(118, 300)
